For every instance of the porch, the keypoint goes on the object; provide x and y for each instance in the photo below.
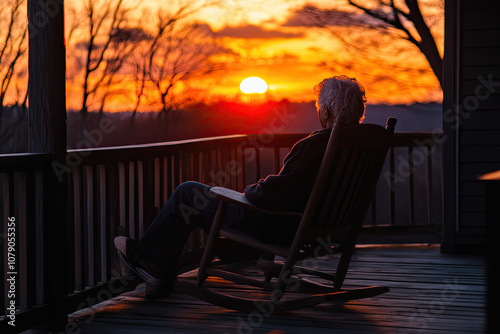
(117, 191)
(430, 292)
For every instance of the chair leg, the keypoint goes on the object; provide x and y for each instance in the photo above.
(213, 236)
(286, 272)
(343, 266)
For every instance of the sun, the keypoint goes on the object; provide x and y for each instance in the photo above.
(253, 85)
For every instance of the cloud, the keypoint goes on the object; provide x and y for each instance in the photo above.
(252, 31)
(310, 16)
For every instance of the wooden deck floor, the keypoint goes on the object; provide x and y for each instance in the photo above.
(430, 293)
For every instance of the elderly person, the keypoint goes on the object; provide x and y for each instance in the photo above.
(156, 255)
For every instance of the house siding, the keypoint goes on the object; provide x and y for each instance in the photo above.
(471, 118)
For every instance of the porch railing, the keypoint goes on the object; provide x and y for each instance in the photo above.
(25, 296)
(118, 191)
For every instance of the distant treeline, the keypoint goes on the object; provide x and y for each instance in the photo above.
(200, 120)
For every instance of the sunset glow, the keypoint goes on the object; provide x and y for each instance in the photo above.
(253, 85)
(277, 40)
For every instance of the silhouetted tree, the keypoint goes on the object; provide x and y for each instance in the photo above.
(400, 19)
(175, 52)
(13, 44)
(143, 61)
(107, 44)
(184, 54)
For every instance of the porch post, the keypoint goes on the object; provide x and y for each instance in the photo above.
(47, 133)
(450, 123)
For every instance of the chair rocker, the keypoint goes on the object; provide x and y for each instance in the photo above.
(331, 223)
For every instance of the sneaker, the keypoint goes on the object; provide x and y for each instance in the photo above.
(122, 244)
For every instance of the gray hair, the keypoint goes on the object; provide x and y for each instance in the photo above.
(340, 96)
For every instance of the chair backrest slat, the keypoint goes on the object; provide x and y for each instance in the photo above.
(330, 194)
(346, 180)
(357, 186)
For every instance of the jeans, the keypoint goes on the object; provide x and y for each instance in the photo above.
(190, 206)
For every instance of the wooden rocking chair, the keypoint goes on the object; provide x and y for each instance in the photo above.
(331, 223)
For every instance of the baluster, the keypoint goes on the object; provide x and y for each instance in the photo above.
(22, 242)
(176, 169)
(89, 222)
(392, 186)
(429, 184)
(102, 209)
(77, 231)
(412, 185)
(158, 180)
(131, 199)
(140, 197)
(122, 194)
(41, 263)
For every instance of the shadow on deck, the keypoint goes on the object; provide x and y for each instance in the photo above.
(430, 293)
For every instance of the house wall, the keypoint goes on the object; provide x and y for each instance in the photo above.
(471, 118)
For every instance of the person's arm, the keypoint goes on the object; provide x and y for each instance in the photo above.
(290, 189)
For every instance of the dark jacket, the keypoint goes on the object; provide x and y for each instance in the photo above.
(289, 190)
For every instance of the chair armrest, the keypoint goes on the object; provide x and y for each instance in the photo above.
(234, 197)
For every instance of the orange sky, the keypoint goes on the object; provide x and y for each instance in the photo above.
(271, 40)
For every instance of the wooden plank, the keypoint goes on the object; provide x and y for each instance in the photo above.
(482, 18)
(22, 243)
(47, 134)
(484, 109)
(470, 171)
(140, 192)
(483, 85)
(41, 261)
(103, 223)
(89, 226)
(480, 137)
(480, 56)
(480, 153)
(430, 292)
(480, 38)
(158, 179)
(122, 197)
(77, 230)
(473, 72)
(131, 202)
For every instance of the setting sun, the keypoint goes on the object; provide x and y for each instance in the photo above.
(253, 85)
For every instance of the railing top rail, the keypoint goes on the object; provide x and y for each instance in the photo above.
(23, 161)
(175, 143)
(145, 151)
(30, 161)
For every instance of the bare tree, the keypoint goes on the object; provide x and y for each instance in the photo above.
(13, 44)
(411, 23)
(115, 51)
(174, 53)
(124, 42)
(143, 62)
(184, 54)
(400, 19)
(107, 44)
